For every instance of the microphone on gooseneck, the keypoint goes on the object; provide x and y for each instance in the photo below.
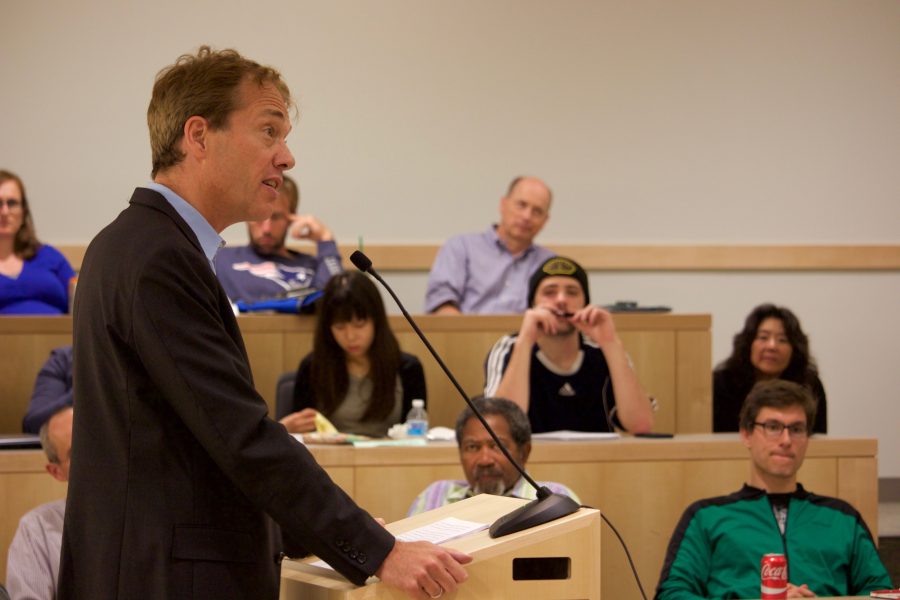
(548, 506)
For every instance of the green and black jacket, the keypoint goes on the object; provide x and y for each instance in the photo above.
(716, 549)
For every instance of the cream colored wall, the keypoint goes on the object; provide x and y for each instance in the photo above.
(654, 122)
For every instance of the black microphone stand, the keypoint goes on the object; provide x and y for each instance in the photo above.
(548, 506)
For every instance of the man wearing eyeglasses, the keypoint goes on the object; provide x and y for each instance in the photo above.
(716, 549)
(487, 470)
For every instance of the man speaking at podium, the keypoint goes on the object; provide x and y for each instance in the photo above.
(174, 461)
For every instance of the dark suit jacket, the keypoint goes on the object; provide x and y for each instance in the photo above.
(174, 461)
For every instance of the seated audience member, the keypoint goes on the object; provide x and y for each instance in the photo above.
(266, 268)
(34, 277)
(716, 549)
(566, 367)
(356, 375)
(771, 345)
(484, 273)
(487, 470)
(32, 568)
(52, 389)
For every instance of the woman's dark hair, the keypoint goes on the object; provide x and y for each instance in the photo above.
(350, 296)
(26, 244)
(738, 368)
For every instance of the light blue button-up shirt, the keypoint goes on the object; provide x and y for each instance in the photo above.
(476, 272)
(210, 240)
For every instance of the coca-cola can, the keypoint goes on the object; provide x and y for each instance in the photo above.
(773, 577)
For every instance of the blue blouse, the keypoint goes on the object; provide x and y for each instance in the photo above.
(42, 288)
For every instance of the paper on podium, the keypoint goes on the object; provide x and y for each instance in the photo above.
(479, 510)
(442, 531)
(436, 533)
(576, 536)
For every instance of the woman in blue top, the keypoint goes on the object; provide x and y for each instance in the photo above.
(34, 277)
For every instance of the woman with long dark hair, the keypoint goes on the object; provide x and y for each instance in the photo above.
(356, 374)
(34, 277)
(771, 345)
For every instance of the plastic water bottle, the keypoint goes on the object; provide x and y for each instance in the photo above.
(417, 420)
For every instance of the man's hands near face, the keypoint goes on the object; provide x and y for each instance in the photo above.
(593, 321)
(307, 227)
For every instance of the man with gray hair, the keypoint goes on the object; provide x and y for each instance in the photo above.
(487, 470)
(32, 569)
(487, 272)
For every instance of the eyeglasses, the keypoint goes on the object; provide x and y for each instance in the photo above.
(12, 204)
(773, 429)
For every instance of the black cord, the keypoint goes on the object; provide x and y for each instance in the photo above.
(625, 548)
(604, 400)
(542, 491)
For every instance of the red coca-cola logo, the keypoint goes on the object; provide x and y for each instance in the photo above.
(771, 572)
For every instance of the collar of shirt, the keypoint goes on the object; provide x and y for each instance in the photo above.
(210, 241)
(492, 235)
(518, 490)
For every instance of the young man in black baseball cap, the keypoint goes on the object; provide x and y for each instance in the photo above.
(566, 367)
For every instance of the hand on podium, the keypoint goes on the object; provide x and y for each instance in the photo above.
(423, 570)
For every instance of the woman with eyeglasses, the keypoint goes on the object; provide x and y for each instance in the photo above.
(34, 277)
(356, 375)
(771, 345)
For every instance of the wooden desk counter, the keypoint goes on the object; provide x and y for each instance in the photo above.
(641, 485)
(672, 355)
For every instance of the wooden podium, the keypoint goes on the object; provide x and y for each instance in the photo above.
(567, 553)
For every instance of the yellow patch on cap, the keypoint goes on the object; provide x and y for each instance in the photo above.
(559, 266)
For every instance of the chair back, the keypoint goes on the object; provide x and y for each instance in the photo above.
(284, 394)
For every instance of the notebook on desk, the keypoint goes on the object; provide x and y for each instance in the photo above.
(19, 441)
(621, 306)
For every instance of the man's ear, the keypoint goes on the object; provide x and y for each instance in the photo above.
(526, 452)
(195, 140)
(745, 437)
(55, 471)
